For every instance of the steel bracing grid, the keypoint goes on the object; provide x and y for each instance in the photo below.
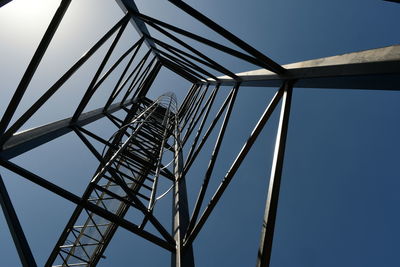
(131, 163)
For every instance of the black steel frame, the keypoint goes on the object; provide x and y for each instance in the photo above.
(203, 72)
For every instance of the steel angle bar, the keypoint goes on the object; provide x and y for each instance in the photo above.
(146, 84)
(140, 27)
(204, 108)
(33, 65)
(17, 234)
(54, 88)
(235, 165)
(374, 69)
(112, 68)
(194, 115)
(213, 158)
(143, 76)
(29, 139)
(96, 137)
(186, 99)
(200, 129)
(116, 124)
(191, 106)
(186, 103)
(92, 88)
(89, 145)
(195, 107)
(141, 79)
(117, 89)
(271, 207)
(183, 256)
(182, 65)
(198, 53)
(85, 204)
(151, 21)
(183, 53)
(190, 160)
(394, 1)
(189, 63)
(136, 70)
(121, 122)
(179, 71)
(270, 64)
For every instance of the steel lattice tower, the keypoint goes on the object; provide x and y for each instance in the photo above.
(148, 145)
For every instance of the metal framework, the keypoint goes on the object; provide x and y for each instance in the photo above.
(135, 158)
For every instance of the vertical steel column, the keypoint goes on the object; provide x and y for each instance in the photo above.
(21, 244)
(183, 257)
(268, 227)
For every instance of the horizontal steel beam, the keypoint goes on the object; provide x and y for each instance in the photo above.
(26, 140)
(375, 69)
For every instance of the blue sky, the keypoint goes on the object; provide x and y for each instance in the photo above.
(339, 198)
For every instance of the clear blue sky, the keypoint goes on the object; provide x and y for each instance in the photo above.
(339, 200)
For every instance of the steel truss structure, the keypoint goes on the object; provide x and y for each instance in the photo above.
(136, 157)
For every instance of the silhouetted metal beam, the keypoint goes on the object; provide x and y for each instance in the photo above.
(56, 86)
(33, 65)
(207, 106)
(193, 50)
(375, 69)
(17, 234)
(271, 65)
(271, 208)
(117, 88)
(26, 140)
(152, 21)
(213, 158)
(92, 86)
(183, 256)
(4, 2)
(191, 157)
(200, 129)
(140, 27)
(234, 167)
(85, 204)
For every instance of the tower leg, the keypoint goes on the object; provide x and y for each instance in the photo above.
(17, 234)
(183, 257)
(268, 227)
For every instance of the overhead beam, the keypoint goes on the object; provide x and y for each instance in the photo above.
(24, 141)
(375, 69)
(139, 25)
